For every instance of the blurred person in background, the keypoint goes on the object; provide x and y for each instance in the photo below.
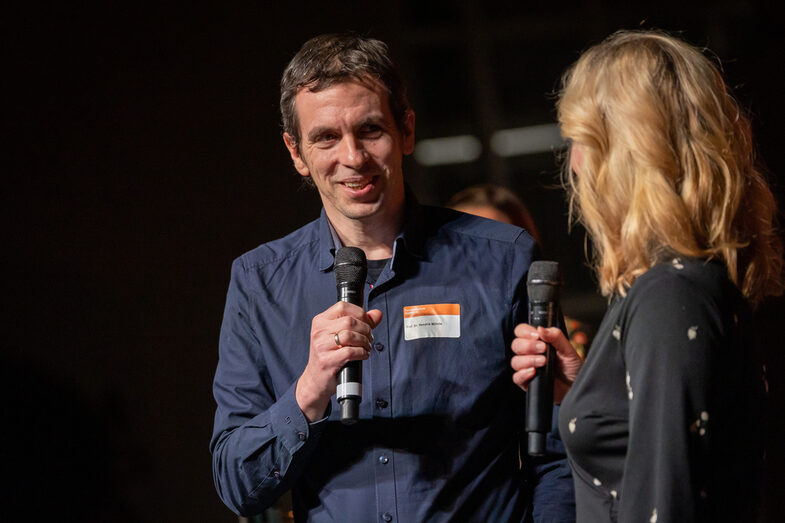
(496, 203)
(501, 204)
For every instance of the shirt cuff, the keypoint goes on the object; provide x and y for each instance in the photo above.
(290, 425)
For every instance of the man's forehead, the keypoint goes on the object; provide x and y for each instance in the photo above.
(324, 101)
(367, 81)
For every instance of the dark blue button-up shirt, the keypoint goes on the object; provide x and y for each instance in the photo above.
(440, 421)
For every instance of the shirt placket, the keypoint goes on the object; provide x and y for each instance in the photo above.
(381, 396)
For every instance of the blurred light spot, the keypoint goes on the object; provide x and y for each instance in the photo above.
(444, 151)
(526, 140)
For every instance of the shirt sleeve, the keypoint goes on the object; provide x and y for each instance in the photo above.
(260, 442)
(667, 336)
(553, 498)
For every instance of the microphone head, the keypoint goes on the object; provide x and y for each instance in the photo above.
(543, 282)
(350, 265)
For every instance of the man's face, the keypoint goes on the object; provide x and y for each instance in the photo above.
(352, 149)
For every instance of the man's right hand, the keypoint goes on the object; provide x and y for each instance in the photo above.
(351, 325)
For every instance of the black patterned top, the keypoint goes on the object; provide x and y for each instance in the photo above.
(662, 423)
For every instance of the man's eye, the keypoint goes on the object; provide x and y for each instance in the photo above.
(326, 139)
(371, 131)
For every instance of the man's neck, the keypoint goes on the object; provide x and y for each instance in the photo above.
(374, 234)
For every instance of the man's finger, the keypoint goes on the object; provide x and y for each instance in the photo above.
(375, 317)
(344, 308)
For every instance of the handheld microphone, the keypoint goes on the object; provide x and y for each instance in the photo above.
(543, 290)
(351, 269)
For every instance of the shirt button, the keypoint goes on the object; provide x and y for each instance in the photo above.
(381, 403)
(378, 346)
(301, 436)
(387, 517)
(384, 460)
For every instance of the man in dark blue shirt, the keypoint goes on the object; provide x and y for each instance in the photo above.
(440, 421)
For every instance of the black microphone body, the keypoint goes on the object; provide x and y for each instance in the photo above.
(351, 268)
(543, 290)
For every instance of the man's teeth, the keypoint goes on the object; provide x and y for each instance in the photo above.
(355, 185)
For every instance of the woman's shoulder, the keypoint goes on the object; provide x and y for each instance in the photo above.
(683, 277)
(684, 302)
(683, 287)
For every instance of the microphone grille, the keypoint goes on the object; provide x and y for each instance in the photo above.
(543, 281)
(350, 265)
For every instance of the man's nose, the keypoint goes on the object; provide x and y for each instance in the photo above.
(352, 152)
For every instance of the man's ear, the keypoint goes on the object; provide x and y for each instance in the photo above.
(294, 152)
(407, 132)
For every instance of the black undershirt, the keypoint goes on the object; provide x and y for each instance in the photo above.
(375, 268)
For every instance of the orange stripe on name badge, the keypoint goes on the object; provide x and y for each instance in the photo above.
(434, 309)
(435, 320)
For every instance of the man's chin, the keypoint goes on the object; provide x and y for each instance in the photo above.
(359, 216)
(360, 211)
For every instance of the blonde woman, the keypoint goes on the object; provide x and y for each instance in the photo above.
(660, 423)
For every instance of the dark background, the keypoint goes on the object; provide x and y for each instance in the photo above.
(143, 153)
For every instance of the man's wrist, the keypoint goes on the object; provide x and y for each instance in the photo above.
(312, 404)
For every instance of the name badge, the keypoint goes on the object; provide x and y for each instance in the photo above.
(436, 320)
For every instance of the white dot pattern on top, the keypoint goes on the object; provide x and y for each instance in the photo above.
(701, 424)
(658, 346)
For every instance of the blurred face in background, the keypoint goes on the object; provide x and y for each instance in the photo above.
(486, 211)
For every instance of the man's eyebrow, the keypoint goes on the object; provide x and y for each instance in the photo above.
(373, 119)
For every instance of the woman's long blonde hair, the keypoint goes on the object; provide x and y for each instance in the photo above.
(667, 164)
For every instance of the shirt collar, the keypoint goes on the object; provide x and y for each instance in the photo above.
(412, 236)
(328, 243)
(410, 240)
